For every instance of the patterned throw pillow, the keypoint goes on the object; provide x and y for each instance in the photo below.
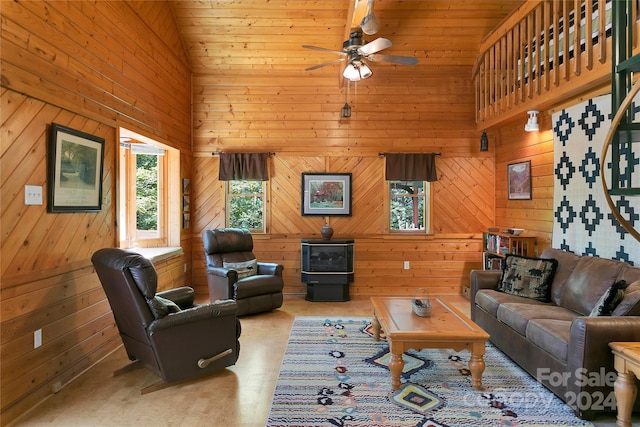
(528, 277)
(244, 268)
(609, 300)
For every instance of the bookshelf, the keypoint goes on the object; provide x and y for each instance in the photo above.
(497, 245)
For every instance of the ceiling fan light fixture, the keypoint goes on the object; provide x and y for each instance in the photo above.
(365, 71)
(351, 73)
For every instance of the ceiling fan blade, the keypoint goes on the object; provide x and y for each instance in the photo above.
(315, 67)
(393, 59)
(323, 49)
(375, 46)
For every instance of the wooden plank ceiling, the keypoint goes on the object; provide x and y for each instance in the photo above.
(237, 37)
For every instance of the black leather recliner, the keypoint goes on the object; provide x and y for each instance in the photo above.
(165, 332)
(233, 272)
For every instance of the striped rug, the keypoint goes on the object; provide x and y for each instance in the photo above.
(333, 374)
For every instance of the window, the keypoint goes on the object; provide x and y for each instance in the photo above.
(409, 205)
(246, 205)
(146, 168)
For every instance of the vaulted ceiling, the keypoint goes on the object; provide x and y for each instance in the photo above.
(237, 37)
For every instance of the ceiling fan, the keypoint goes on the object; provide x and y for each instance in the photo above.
(356, 50)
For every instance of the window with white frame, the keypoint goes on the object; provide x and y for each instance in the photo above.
(146, 169)
(409, 206)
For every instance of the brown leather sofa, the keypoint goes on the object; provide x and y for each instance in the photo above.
(165, 331)
(557, 342)
(233, 272)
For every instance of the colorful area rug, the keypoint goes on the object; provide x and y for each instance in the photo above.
(334, 374)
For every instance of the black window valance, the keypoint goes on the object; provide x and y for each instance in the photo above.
(411, 167)
(243, 166)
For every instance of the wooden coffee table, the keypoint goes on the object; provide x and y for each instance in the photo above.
(447, 327)
(626, 361)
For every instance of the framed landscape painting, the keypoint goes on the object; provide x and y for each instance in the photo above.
(519, 180)
(325, 194)
(74, 170)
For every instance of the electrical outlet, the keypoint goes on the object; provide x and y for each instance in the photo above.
(56, 387)
(37, 338)
(406, 265)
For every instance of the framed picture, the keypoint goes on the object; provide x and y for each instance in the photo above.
(519, 180)
(74, 170)
(325, 194)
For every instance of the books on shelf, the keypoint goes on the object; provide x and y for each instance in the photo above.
(493, 263)
(497, 244)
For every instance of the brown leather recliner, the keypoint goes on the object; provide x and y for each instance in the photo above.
(233, 272)
(165, 332)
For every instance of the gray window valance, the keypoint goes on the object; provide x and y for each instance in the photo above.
(243, 166)
(411, 167)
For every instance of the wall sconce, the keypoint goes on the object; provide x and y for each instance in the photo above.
(532, 123)
(484, 142)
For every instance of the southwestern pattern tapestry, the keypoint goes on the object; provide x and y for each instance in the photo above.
(583, 222)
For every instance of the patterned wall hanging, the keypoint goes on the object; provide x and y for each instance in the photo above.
(583, 222)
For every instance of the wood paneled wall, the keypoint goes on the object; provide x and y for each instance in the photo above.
(514, 145)
(92, 66)
(462, 206)
(95, 66)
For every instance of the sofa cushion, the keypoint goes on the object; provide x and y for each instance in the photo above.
(551, 335)
(518, 315)
(629, 274)
(244, 268)
(527, 277)
(257, 285)
(609, 300)
(588, 282)
(489, 300)
(567, 262)
(630, 304)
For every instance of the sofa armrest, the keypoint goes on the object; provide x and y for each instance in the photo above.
(194, 315)
(270, 268)
(589, 355)
(483, 279)
(184, 296)
(224, 273)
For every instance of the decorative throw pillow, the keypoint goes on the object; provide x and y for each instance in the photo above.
(609, 300)
(244, 268)
(528, 277)
(161, 307)
(630, 304)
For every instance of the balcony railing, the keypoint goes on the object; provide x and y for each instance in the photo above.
(545, 51)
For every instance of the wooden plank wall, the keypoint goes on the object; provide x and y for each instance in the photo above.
(63, 62)
(514, 145)
(441, 261)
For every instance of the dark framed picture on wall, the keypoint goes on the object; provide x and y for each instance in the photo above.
(519, 180)
(74, 170)
(326, 194)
